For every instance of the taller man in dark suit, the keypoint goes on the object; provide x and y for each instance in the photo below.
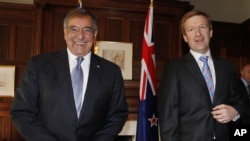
(44, 105)
(189, 108)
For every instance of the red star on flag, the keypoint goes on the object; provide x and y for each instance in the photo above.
(153, 120)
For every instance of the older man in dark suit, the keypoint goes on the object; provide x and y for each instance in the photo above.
(46, 106)
(196, 101)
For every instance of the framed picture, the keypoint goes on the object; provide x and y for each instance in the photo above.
(7, 80)
(118, 52)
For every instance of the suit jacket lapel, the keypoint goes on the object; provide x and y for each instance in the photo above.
(243, 89)
(218, 68)
(63, 71)
(194, 69)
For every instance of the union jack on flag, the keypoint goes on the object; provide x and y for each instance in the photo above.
(147, 123)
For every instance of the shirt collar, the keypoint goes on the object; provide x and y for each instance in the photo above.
(72, 57)
(244, 81)
(198, 55)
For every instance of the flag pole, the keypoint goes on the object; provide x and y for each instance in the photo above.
(80, 3)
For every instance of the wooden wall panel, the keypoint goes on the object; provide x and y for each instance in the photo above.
(52, 35)
(4, 42)
(16, 47)
(17, 36)
(232, 41)
(114, 29)
(23, 47)
(7, 130)
(136, 36)
(58, 41)
(132, 88)
(5, 125)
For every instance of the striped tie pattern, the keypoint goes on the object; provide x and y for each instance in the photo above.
(207, 76)
(77, 83)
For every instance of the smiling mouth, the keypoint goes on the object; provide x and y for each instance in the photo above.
(80, 43)
(199, 40)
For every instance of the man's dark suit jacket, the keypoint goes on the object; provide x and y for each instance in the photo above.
(184, 103)
(245, 116)
(43, 108)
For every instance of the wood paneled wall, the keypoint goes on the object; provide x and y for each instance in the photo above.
(232, 41)
(27, 30)
(16, 35)
(7, 129)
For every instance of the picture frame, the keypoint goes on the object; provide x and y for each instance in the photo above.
(119, 53)
(7, 80)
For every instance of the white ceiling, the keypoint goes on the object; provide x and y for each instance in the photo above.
(233, 11)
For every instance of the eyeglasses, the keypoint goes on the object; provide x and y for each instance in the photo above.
(84, 30)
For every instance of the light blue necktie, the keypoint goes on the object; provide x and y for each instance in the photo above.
(77, 83)
(207, 76)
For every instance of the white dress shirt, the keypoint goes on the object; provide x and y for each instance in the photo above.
(85, 67)
(210, 63)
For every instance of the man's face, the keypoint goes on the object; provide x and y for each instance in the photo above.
(197, 33)
(245, 73)
(79, 35)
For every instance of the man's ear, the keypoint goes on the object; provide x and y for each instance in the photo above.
(185, 38)
(95, 34)
(211, 33)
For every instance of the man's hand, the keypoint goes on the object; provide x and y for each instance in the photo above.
(224, 113)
